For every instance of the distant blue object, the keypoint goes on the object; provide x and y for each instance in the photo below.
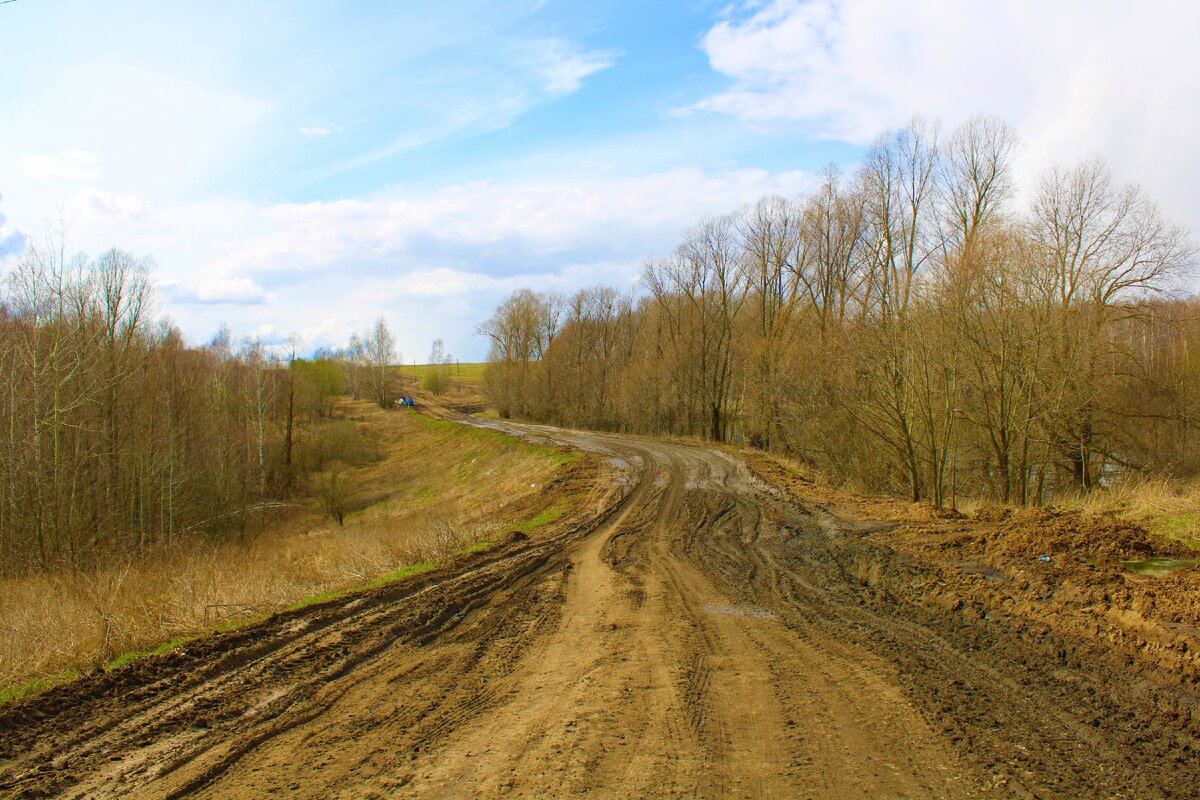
(1044, 559)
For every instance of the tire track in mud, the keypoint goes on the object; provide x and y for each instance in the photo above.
(719, 714)
(784, 734)
(172, 726)
(697, 634)
(995, 704)
(596, 708)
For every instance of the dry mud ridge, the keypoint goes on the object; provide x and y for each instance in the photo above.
(694, 631)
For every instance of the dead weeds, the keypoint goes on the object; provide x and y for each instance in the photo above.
(1033, 570)
(439, 490)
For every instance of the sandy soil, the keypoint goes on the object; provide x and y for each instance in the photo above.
(700, 629)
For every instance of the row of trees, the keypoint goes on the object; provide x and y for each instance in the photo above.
(118, 438)
(905, 327)
(368, 359)
(367, 363)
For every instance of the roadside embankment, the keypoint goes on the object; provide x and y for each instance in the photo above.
(430, 490)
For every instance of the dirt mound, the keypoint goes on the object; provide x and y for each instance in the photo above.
(802, 482)
(1056, 533)
(1109, 654)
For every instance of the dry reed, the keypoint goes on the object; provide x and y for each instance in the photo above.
(436, 492)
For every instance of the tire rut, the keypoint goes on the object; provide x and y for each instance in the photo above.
(698, 634)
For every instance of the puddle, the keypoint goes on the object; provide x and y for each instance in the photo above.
(1158, 565)
(740, 611)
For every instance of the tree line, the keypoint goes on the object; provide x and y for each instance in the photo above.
(909, 327)
(119, 439)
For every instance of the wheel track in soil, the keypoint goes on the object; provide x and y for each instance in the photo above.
(700, 635)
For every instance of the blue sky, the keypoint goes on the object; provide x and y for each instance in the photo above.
(308, 167)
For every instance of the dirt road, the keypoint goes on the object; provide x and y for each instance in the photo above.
(693, 632)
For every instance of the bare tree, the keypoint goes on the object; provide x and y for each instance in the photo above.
(379, 350)
(701, 290)
(520, 331)
(1099, 247)
(976, 178)
(437, 377)
(118, 437)
(774, 261)
(833, 270)
(899, 178)
(912, 307)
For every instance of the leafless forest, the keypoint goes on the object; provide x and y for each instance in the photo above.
(926, 326)
(118, 438)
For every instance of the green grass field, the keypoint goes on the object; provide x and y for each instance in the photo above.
(468, 374)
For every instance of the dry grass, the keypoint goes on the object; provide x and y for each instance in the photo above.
(1170, 508)
(440, 489)
(1167, 507)
(463, 389)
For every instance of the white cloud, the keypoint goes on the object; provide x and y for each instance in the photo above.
(442, 282)
(99, 203)
(266, 333)
(318, 131)
(1074, 76)
(217, 289)
(504, 85)
(562, 66)
(848, 68)
(504, 224)
(70, 165)
(434, 264)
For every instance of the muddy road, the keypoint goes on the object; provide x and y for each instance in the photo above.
(692, 632)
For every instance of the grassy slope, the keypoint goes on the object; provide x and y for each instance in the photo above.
(441, 489)
(467, 374)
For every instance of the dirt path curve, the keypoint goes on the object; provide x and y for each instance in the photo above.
(694, 634)
(657, 682)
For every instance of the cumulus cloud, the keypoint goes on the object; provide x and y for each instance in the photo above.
(99, 203)
(445, 282)
(70, 165)
(219, 290)
(1075, 76)
(506, 228)
(434, 263)
(848, 68)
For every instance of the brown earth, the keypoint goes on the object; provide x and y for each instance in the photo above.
(702, 626)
